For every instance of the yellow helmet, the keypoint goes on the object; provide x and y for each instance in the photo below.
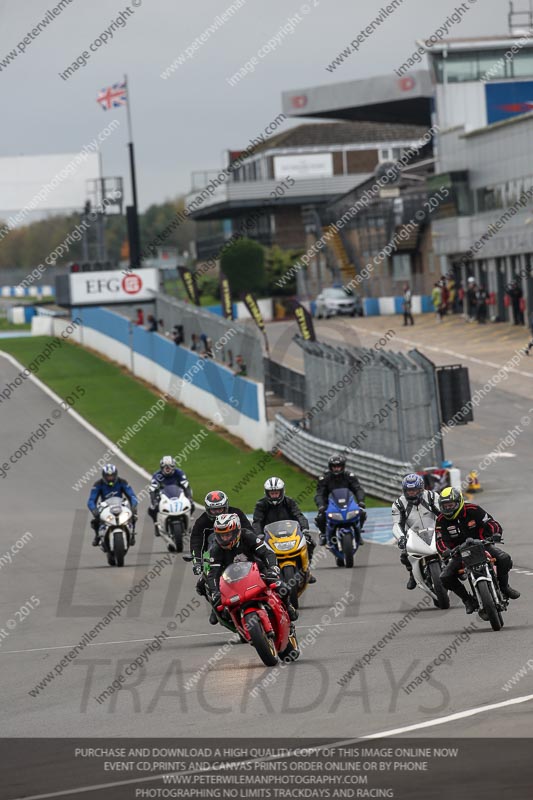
(451, 502)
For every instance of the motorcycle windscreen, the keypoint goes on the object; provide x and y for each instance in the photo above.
(473, 554)
(426, 535)
(114, 499)
(286, 527)
(237, 571)
(172, 490)
(342, 498)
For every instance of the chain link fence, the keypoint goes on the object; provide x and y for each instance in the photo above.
(285, 382)
(229, 338)
(384, 403)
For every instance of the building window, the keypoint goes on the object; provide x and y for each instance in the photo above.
(522, 64)
(401, 267)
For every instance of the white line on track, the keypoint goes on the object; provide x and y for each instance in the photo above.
(471, 712)
(181, 636)
(87, 425)
(511, 370)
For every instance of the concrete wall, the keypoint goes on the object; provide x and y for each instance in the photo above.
(210, 389)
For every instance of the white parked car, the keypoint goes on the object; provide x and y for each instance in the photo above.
(331, 302)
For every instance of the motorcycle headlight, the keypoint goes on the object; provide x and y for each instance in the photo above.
(109, 518)
(287, 545)
(352, 514)
(335, 515)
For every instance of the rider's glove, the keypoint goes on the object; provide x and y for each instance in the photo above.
(496, 537)
(94, 512)
(197, 569)
(193, 507)
(361, 505)
(446, 554)
(402, 541)
(272, 575)
(215, 599)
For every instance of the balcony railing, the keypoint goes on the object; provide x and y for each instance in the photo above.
(261, 191)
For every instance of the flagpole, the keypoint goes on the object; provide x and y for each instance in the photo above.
(133, 227)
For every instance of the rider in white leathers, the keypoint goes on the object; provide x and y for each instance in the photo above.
(416, 508)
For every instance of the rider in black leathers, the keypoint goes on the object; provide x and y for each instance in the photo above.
(336, 477)
(216, 502)
(275, 506)
(229, 541)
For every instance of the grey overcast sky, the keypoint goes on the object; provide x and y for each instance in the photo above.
(187, 121)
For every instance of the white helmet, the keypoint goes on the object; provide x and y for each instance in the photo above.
(167, 465)
(274, 490)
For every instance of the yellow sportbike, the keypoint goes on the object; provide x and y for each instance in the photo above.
(289, 545)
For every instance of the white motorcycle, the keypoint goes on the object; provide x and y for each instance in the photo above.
(173, 517)
(424, 558)
(116, 528)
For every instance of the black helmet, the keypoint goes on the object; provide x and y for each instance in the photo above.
(337, 463)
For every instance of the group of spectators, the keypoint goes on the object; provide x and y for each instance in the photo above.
(202, 344)
(447, 297)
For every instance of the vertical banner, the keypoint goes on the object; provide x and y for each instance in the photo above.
(305, 322)
(225, 297)
(251, 304)
(189, 281)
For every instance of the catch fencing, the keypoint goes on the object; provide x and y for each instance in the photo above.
(234, 338)
(379, 476)
(383, 403)
(284, 382)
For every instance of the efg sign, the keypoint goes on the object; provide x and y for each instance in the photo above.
(113, 286)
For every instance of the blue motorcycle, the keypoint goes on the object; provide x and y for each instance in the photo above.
(343, 526)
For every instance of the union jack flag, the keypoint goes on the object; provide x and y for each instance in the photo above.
(113, 96)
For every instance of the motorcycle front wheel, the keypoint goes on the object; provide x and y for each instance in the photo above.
(118, 549)
(288, 574)
(264, 646)
(487, 603)
(443, 600)
(347, 549)
(176, 531)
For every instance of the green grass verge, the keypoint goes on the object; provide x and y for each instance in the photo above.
(113, 401)
(5, 325)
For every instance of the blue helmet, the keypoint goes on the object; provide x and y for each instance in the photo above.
(412, 487)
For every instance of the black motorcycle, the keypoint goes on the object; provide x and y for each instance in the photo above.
(478, 569)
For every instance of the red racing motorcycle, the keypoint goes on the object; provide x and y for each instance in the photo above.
(257, 612)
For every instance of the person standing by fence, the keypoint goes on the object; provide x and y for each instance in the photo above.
(471, 300)
(481, 305)
(436, 299)
(530, 345)
(406, 304)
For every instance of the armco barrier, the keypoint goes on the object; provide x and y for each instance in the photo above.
(378, 475)
(212, 390)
